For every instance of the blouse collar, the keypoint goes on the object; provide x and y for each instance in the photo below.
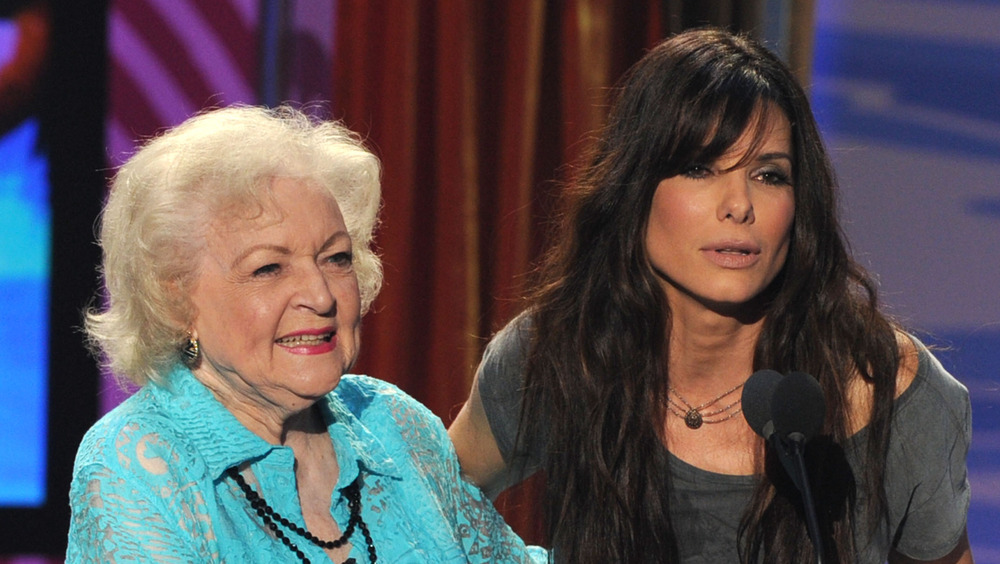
(223, 442)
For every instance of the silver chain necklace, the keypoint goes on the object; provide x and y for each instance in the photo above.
(693, 416)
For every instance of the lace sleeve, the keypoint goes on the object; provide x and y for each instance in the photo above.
(476, 524)
(113, 521)
(131, 500)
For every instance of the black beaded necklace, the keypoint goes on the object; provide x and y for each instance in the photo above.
(272, 519)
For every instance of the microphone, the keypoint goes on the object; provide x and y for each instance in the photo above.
(788, 411)
(758, 392)
(787, 405)
(798, 407)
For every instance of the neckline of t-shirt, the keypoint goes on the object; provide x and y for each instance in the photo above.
(853, 442)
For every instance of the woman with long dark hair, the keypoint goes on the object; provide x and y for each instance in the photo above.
(702, 244)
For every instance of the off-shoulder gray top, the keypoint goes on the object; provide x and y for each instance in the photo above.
(926, 481)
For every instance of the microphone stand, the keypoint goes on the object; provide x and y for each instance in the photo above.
(792, 455)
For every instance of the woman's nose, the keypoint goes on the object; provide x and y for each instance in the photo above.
(314, 291)
(735, 203)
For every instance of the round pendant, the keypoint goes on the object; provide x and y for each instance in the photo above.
(693, 419)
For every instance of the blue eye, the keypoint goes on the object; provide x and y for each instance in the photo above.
(266, 270)
(344, 259)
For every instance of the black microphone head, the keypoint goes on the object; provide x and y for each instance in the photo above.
(798, 406)
(756, 399)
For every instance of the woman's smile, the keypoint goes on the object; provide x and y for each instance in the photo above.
(310, 341)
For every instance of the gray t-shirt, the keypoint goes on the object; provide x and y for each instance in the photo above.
(926, 480)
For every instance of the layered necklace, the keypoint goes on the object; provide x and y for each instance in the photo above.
(693, 415)
(273, 519)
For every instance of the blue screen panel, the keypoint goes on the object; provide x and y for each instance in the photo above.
(24, 280)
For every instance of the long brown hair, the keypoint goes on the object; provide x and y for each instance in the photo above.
(596, 377)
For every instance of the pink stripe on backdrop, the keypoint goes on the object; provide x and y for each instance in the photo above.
(248, 11)
(132, 116)
(155, 82)
(240, 40)
(166, 45)
(212, 60)
(120, 142)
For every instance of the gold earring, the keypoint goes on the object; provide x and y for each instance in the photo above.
(191, 352)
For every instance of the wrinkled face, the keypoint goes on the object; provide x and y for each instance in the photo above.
(277, 303)
(718, 233)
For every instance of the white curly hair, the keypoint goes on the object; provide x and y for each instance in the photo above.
(162, 200)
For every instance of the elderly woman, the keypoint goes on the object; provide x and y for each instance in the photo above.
(237, 263)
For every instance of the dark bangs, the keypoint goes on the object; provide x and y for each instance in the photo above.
(721, 106)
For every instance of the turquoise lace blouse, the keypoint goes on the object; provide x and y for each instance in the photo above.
(148, 484)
